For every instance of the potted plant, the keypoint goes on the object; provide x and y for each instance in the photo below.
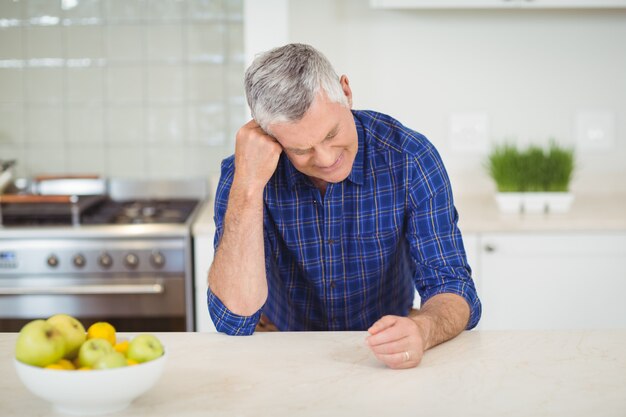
(532, 180)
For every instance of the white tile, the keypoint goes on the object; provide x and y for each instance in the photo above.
(234, 9)
(11, 85)
(166, 84)
(125, 42)
(11, 42)
(84, 42)
(206, 42)
(235, 43)
(125, 125)
(84, 125)
(38, 9)
(198, 161)
(44, 42)
(125, 9)
(44, 125)
(44, 85)
(16, 152)
(166, 9)
(127, 161)
(125, 85)
(166, 162)
(45, 159)
(205, 83)
(165, 42)
(85, 85)
(207, 124)
(235, 81)
(83, 10)
(166, 125)
(206, 9)
(11, 125)
(86, 160)
(11, 10)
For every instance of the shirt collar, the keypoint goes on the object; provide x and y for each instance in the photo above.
(294, 176)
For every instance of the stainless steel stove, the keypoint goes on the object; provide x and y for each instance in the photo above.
(124, 256)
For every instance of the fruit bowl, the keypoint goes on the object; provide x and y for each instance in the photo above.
(91, 392)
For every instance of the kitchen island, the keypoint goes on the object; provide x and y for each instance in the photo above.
(480, 373)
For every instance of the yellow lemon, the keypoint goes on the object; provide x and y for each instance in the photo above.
(84, 368)
(102, 330)
(121, 347)
(55, 366)
(65, 364)
(131, 362)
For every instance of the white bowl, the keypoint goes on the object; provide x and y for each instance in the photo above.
(91, 392)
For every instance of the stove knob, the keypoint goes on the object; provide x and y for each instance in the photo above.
(131, 260)
(52, 261)
(79, 261)
(105, 260)
(157, 260)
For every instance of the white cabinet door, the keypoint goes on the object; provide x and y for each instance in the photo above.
(553, 281)
(203, 257)
(496, 4)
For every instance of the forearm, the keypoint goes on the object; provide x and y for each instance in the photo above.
(441, 318)
(237, 275)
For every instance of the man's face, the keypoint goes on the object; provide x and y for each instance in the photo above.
(324, 143)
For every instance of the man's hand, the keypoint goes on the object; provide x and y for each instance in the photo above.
(256, 156)
(398, 342)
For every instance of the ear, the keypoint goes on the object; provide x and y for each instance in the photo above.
(345, 86)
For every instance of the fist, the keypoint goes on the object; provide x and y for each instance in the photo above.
(256, 155)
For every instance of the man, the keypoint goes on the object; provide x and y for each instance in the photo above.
(328, 218)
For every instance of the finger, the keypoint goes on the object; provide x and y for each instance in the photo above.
(390, 334)
(397, 360)
(383, 323)
(398, 346)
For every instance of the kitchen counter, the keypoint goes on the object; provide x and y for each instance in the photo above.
(479, 214)
(589, 213)
(479, 373)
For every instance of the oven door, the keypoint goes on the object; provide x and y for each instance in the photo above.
(132, 303)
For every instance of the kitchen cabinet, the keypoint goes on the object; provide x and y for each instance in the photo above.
(497, 4)
(555, 280)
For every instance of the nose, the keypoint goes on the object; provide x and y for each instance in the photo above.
(324, 157)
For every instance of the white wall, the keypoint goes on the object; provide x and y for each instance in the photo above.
(530, 72)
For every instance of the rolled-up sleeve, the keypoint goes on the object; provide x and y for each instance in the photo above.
(226, 321)
(435, 240)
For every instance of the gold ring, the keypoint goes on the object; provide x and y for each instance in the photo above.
(406, 356)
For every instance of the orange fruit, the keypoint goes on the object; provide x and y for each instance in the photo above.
(65, 364)
(84, 368)
(131, 362)
(102, 330)
(55, 366)
(121, 347)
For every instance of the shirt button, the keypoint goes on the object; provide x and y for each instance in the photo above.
(330, 241)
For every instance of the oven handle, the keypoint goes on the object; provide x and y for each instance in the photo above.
(86, 289)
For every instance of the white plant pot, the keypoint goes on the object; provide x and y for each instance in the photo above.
(509, 203)
(534, 203)
(559, 202)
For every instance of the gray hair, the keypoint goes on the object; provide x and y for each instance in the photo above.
(282, 83)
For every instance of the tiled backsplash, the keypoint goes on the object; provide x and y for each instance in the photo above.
(131, 88)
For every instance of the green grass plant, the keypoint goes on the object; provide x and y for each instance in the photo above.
(532, 169)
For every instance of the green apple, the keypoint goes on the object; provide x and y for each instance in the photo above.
(144, 348)
(39, 343)
(110, 360)
(92, 350)
(73, 332)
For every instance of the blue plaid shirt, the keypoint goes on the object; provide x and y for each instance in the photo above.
(343, 261)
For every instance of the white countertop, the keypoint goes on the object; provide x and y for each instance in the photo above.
(480, 373)
(479, 214)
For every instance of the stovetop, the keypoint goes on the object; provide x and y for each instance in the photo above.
(104, 212)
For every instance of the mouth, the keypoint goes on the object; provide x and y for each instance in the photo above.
(335, 165)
